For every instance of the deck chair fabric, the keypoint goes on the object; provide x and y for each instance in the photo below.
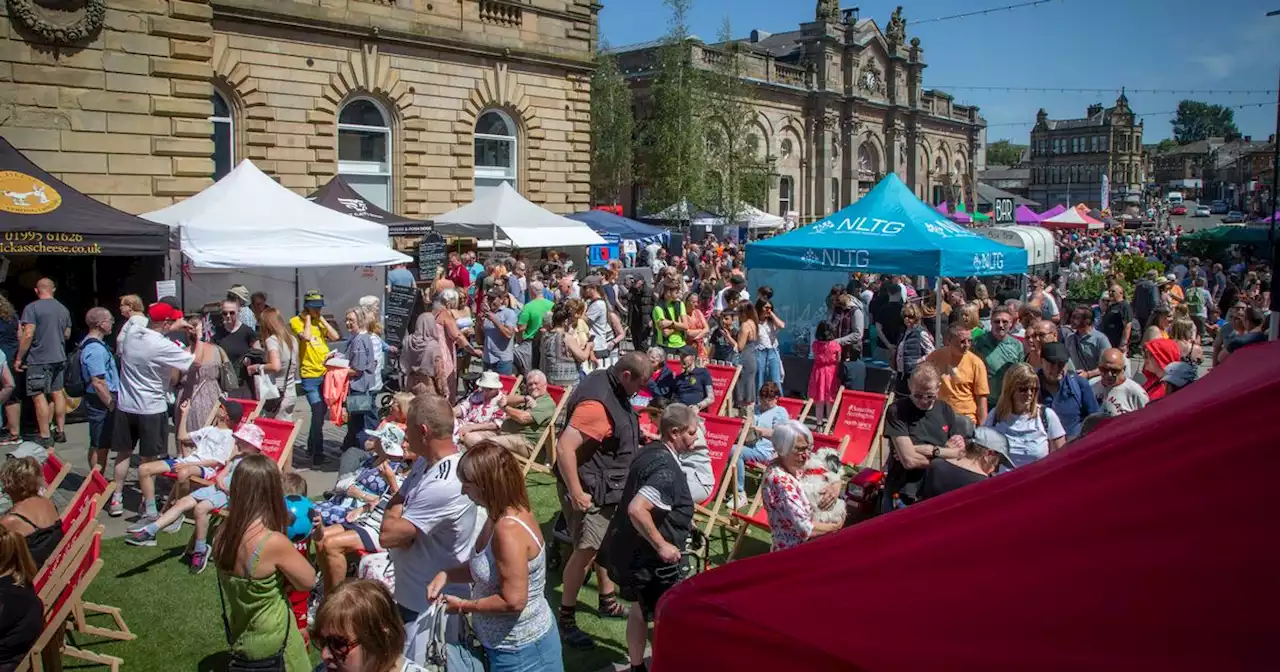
(797, 409)
(59, 560)
(54, 471)
(67, 596)
(94, 490)
(859, 416)
(725, 436)
(510, 383)
(723, 378)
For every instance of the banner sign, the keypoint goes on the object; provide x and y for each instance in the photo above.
(410, 229)
(722, 378)
(432, 253)
(858, 418)
(1003, 211)
(53, 242)
(722, 439)
(400, 302)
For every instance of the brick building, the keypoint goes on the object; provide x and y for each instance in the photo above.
(1069, 157)
(418, 103)
(841, 103)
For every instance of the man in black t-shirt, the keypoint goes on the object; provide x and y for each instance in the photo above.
(889, 324)
(236, 339)
(920, 428)
(644, 546)
(1117, 321)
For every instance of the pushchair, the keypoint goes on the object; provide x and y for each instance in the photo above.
(696, 547)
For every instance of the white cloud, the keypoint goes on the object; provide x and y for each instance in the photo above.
(1217, 66)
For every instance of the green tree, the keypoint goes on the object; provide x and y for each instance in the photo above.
(1197, 121)
(612, 129)
(737, 155)
(673, 154)
(1004, 153)
(1165, 145)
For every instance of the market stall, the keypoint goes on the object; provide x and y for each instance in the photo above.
(607, 223)
(888, 230)
(1105, 555)
(1024, 215)
(1071, 218)
(248, 229)
(92, 251)
(504, 217)
(337, 195)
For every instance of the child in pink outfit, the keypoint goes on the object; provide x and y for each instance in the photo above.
(822, 381)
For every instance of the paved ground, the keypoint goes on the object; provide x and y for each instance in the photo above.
(76, 451)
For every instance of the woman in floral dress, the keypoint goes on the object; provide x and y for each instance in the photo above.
(790, 513)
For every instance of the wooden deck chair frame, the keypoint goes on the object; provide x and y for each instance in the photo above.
(875, 453)
(805, 406)
(56, 624)
(52, 461)
(53, 569)
(727, 403)
(97, 501)
(515, 382)
(546, 441)
(713, 514)
(284, 461)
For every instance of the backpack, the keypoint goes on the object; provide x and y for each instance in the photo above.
(74, 381)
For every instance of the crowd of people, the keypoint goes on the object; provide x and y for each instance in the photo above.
(429, 516)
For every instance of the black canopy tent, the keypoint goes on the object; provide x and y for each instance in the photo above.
(336, 194)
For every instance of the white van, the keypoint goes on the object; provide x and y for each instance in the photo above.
(1174, 198)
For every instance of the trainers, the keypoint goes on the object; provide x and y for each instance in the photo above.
(10, 440)
(140, 538)
(59, 436)
(575, 638)
(741, 501)
(142, 523)
(198, 561)
(174, 527)
(44, 441)
(116, 508)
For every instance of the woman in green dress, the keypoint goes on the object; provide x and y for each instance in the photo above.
(255, 560)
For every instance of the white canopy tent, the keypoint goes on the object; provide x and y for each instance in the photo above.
(757, 219)
(247, 220)
(502, 211)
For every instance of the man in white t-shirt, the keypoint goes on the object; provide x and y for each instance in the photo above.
(149, 366)
(730, 296)
(203, 453)
(430, 526)
(1117, 394)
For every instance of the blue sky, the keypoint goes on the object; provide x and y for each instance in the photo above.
(1139, 44)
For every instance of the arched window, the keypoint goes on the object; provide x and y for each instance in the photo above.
(364, 150)
(786, 195)
(868, 161)
(786, 149)
(753, 145)
(495, 150)
(224, 145)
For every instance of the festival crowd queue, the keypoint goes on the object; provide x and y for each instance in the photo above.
(429, 527)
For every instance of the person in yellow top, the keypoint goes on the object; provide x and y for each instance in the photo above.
(964, 375)
(314, 334)
(668, 317)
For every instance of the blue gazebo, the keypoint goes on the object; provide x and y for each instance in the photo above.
(607, 223)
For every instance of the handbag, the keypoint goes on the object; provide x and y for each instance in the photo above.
(228, 379)
(428, 644)
(238, 662)
(265, 388)
(359, 402)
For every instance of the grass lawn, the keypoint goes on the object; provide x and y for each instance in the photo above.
(176, 615)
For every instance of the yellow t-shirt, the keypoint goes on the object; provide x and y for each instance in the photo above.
(314, 351)
(963, 383)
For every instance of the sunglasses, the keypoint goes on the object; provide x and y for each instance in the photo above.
(229, 313)
(1104, 370)
(924, 397)
(1028, 388)
(338, 645)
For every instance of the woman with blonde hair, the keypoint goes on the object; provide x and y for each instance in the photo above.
(254, 559)
(456, 348)
(357, 629)
(970, 315)
(21, 618)
(985, 305)
(1183, 333)
(507, 570)
(281, 364)
(1032, 429)
(362, 382)
(916, 344)
(33, 515)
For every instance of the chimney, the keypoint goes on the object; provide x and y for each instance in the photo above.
(757, 35)
(1095, 109)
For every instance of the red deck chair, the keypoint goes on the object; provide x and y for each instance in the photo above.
(859, 417)
(510, 383)
(93, 491)
(723, 378)
(724, 443)
(68, 594)
(797, 409)
(546, 441)
(58, 562)
(252, 407)
(55, 470)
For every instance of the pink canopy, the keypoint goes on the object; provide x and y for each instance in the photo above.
(954, 215)
(1025, 215)
(1071, 218)
(1051, 212)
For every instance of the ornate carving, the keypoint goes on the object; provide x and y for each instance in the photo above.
(827, 10)
(896, 32)
(85, 21)
(870, 78)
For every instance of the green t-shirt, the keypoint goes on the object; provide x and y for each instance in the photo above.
(673, 312)
(998, 356)
(543, 408)
(531, 317)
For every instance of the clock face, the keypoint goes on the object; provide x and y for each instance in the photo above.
(870, 79)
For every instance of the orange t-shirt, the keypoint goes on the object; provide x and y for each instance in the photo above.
(591, 419)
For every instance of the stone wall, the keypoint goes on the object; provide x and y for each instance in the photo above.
(121, 115)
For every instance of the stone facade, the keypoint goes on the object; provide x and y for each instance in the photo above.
(1069, 157)
(123, 114)
(841, 104)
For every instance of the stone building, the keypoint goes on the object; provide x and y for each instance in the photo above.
(418, 103)
(840, 104)
(1069, 157)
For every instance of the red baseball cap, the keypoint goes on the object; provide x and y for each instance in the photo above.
(163, 312)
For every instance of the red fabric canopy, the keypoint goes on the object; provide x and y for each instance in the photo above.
(1149, 545)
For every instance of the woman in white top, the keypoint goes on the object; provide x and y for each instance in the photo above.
(768, 359)
(281, 364)
(508, 572)
(358, 629)
(1033, 429)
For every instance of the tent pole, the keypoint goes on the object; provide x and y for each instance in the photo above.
(297, 282)
(937, 301)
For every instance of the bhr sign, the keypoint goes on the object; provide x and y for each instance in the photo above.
(1002, 212)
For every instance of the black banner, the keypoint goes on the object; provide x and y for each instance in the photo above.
(432, 253)
(1003, 211)
(400, 302)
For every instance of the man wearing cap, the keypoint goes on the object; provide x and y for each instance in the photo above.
(498, 323)
(1065, 392)
(525, 417)
(313, 334)
(1115, 392)
(240, 294)
(150, 365)
(984, 452)
(1177, 376)
(692, 387)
